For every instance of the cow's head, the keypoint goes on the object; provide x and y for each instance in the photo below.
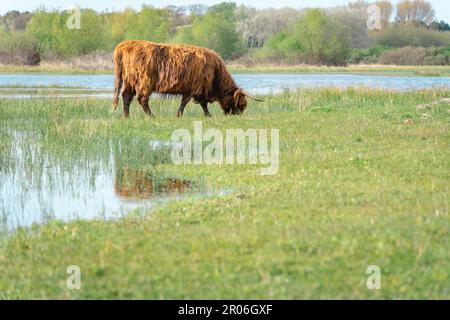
(239, 102)
(236, 102)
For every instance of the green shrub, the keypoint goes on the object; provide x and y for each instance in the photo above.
(18, 48)
(416, 56)
(403, 35)
(315, 39)
(214, 30)
(366, 56)
(55, 38)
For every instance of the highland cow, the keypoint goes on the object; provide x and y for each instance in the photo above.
(144, 67)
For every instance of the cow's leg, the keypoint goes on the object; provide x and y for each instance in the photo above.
(184, 101)
(127, 96)
(205, 109)
(143, 101)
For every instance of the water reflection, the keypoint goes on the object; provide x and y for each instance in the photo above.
(135, 184)
(39, 183)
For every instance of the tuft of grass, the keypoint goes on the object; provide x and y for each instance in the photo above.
(356, 187)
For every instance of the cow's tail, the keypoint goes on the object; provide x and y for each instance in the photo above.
(118, 81)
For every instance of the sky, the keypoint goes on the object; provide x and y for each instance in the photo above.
(441, 7)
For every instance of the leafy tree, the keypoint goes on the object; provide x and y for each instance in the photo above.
(149, 24)
(322, 39)
(440, 26)
(94, 34)
(331, 36)
(44, 26)
(315, 39)
(184, 35)
(275, 47)
(226, 9)
(120, 23)
(54, 37)
(214, 31)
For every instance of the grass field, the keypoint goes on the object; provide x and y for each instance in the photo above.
(363, 180)
(387, 70)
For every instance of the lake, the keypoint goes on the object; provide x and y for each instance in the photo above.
(253, 83)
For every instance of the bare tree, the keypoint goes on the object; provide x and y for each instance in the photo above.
(197, 9)
(15, 20)
(360, 5)
(415, 11)
(256, 26)
(354, 19)
(386, 10)
(178, 17)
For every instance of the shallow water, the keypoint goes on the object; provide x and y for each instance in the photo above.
(253, 83)
(38, 186)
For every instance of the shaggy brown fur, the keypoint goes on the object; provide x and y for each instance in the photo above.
(144, 67)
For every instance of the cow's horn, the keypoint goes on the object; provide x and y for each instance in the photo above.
(253, 98)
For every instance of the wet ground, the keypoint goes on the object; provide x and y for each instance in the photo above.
(38, 185)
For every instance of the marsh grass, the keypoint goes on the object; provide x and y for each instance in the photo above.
(357, 186)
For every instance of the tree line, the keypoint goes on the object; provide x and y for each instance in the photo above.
(332, 36)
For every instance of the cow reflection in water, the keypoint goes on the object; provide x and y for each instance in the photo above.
(133, 183)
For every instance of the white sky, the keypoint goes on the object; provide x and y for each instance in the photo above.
(442, 7)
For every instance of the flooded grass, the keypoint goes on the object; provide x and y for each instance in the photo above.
(47, 173)
(363, 180)
(51, 91)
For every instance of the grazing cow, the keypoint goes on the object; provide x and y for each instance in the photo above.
(144, 67)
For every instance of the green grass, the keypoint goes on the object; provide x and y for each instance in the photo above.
(357, 186)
